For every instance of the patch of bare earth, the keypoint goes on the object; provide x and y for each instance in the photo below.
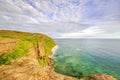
(6, 44)
(27, 68)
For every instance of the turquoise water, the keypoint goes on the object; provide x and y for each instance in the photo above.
(83, 57)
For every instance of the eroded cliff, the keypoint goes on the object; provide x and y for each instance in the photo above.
(27, 56)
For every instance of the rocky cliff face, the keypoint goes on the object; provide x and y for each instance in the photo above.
(6, 45)
(99, 77)
(27, 68)
(27, 56)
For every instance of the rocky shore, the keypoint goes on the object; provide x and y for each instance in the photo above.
(29, 57)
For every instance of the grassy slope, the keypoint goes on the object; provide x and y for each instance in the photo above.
(22, 46)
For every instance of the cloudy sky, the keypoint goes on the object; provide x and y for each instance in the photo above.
(63, 18)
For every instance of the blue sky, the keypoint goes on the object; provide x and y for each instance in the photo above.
(63, 18)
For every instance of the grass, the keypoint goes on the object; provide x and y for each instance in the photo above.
(6, 36)
(22, 47)
(21, 50)
(48, 44)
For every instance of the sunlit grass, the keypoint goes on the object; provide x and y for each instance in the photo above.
(21, 50)
(22, 47)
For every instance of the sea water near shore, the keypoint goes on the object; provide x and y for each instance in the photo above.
(83, 57)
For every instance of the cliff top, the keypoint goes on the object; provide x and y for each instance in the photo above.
(25, 56)
(15, 44)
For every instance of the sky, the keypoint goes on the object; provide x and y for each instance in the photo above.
(62, 18)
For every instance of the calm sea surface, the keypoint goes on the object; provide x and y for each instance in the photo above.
(83, 57)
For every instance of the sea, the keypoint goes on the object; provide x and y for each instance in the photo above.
(83, 57)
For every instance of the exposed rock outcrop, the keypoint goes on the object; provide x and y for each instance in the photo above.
(27, 56)
(6, 45)
(27, 68)
(34, 65)
(99, 77)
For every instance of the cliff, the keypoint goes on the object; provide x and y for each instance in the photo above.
(27, 56)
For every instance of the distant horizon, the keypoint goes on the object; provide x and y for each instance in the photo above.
(64, 37)
(86, 38)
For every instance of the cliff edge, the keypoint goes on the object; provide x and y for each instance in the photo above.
(28, 56)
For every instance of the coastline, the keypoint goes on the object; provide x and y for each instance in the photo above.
(53, 51)
(90, 77)
(28, 67)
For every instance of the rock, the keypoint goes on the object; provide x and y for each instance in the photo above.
(6, 45)
(13, 46)
(99, 77)
(27, 56)
(27, 68)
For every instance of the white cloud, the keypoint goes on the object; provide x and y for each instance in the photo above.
(89, 32)
(93, 32)
(62, 18)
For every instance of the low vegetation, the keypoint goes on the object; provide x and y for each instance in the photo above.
(21, 50)
(23, 40)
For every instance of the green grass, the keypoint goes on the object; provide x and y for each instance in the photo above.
(42, 62)
(22, 48)
(6, 36)
(34, 40)
(48, 44)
